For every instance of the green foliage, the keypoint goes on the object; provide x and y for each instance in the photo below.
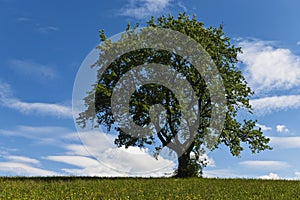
(224, 55)
(138, 188)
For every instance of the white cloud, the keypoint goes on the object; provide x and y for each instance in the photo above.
(285, 142)
(207, 160)
(264, 127)
(77, 149)
(274, 176)
(93, 171)
(269, 67)
(85, 166)
(182, 6)
(79, 161)
(261, 164)
(23, 169)
(143, 8)
(270, 176)
(298, 43)
(43, 136)
(27, 67)
(282, 129)
(267, 105)
(110, 160)
(23, 19)
(23, 159)
(115, 162)
(47, 29)
(23, 166)
(220, 173)
(35, 131)
(46, 109)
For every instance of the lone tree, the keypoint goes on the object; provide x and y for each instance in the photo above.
(237, 93)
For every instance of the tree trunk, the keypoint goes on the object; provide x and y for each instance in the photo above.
(183, 162)
(185, 167)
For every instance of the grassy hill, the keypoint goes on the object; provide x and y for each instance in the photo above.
(142, 188)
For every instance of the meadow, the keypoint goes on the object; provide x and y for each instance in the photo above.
(145, 188)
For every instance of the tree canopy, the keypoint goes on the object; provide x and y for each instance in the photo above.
(145, 98)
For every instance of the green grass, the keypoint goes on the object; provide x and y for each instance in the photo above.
(153, 188)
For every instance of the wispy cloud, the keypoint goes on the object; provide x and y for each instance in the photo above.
(47, 29)
(143, 8)
(285, 142)
(23, 159)
(34, 132)
(268, 105)
(23, 19)
(79, 161)
(23, 166)
(29, 68)
(36, 108)
(46, 109)
(182, 6)
(270, 165)
(22, 169)
(269, 67)
(220, 173)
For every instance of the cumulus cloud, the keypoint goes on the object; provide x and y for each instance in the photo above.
(143, 8)
(268, 67)
(46, 109)
(207, 160)
(30, 68)
(116, 162)
(282, 129)
(106, 159)
(268, 105)
(271, 165)
(103, 158)
(272, 176)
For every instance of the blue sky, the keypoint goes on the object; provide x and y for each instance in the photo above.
(43, 44)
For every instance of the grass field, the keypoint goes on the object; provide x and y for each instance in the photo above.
(152, 188)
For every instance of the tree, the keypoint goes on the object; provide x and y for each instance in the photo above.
(234, 131)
